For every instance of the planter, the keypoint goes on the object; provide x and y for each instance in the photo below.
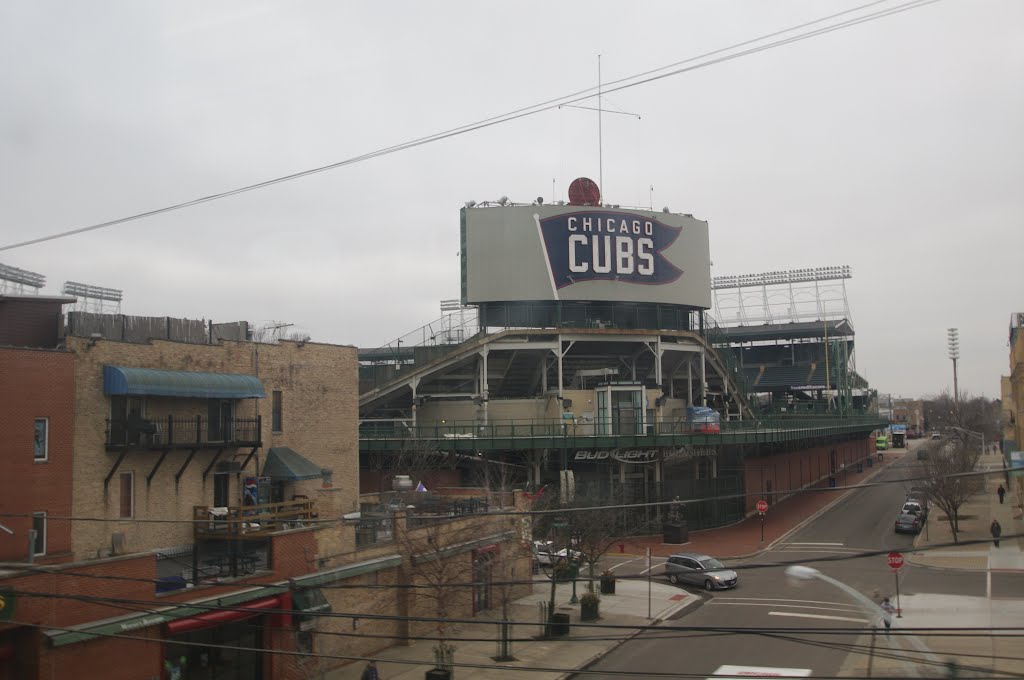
(589, 610)
(558, 625)
(607, 586)
(437, 674)
(675, 532)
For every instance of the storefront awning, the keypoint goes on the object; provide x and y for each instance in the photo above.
(218, 617)
(285, 465)
(149, 381)
(310, 601)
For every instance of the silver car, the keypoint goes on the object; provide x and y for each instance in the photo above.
(700, 570)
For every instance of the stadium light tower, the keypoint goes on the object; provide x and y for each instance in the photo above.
(953, 342)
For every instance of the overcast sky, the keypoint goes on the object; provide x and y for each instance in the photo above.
(895, 147)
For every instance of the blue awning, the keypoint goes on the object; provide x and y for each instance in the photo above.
(284, 464)
(149, 381)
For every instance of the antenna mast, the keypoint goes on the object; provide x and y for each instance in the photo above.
(600, 136)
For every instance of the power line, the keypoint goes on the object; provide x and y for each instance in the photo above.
(560, 510)
(644, 77)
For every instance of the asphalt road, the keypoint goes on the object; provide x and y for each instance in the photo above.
(792, 624)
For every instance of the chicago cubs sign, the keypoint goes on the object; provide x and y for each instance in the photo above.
(594, 253)
(599, 245)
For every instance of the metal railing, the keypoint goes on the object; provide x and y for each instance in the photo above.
(553, 427)
(234, 522)
(182, 432)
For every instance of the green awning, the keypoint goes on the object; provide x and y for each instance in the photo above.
(310, 601)
(285, 465)
(149, 381)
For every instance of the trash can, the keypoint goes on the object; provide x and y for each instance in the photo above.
(831, 482)
(860, 467)
(870, 461)
(558, 625)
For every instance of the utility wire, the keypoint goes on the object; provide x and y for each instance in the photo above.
(644, 77)
(555, 511)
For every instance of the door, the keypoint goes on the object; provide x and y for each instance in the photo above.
(219, 420)
(126, 413)
(221, 487)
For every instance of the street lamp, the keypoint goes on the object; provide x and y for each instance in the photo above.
(953, 343)
(802, 573)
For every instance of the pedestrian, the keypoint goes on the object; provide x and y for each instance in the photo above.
(1001, 492)
(996, 530)
(887, 611)
(370, 672)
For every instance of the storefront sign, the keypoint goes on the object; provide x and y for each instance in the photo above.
(648, 455)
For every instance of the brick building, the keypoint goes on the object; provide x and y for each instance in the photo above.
(193, 490)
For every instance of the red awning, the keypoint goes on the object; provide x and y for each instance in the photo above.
(220, 616)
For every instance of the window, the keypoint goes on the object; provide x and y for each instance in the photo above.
(127, 495)
(42, 439)
(39, 526)
(275, 414)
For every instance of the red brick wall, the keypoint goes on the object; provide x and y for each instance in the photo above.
(35, 384)
(777, 476)
(107, 658)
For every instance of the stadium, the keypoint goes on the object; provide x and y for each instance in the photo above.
(592, 353)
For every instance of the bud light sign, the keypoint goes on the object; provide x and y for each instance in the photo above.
(608, 246)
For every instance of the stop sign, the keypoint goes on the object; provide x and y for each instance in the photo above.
(894, 560)
(762, 507)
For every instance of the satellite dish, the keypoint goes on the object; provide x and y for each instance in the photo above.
(540, 200)
(470, 204)
(503, 200)
(665, 209)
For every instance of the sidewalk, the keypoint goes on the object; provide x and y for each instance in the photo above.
(975, 517)
(743, 539)
(627, 607)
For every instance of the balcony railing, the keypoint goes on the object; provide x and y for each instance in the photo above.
(251, 521)
(182, 432)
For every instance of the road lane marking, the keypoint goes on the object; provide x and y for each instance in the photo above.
(653, 567)
(622, 564)
(769, 604)
(786, 599)
(818, 616)
(810, 543)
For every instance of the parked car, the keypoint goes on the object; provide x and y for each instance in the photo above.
(700, 570)
(544, 554)
(909, 524)
(915, 506)
(936, 435)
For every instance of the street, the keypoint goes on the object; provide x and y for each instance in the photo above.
(789, 622)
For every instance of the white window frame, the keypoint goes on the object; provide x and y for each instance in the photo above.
(131, 498)
(38, 538)
(46, 440)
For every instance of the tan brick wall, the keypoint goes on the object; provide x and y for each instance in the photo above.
(318, 383)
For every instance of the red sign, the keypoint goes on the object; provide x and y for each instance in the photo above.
(762, 507)
(894, 560)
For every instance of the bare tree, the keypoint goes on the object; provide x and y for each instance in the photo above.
(974, 414)
(947, 485)
(597, 529)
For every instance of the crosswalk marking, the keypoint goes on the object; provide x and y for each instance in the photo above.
(818, 616)
(832, 607)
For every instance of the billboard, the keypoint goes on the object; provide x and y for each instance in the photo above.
(584, 253)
